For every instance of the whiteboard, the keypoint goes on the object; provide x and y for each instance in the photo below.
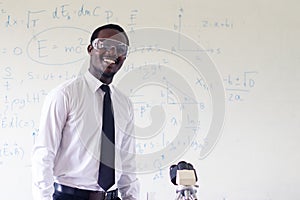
(214, 83)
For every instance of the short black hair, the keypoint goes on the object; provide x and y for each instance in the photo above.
(109, 26)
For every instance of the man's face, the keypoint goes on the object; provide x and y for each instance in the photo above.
(108, 53)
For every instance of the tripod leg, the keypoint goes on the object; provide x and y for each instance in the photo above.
(178, 196)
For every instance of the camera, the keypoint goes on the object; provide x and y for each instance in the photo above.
(184, 176)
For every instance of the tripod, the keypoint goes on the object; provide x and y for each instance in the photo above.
(186, 192)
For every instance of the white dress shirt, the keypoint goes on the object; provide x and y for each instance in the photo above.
(67, 147)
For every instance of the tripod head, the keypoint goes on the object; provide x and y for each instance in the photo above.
(184, 175)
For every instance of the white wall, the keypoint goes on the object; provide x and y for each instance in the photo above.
(186, 55)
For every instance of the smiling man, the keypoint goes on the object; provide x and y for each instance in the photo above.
(108, 51)
(85, 149)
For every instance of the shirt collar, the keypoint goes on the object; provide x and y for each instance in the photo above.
(93, 83)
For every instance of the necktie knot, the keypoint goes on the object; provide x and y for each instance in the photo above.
(105, 88)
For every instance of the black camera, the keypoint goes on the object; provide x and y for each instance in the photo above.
(182, 165)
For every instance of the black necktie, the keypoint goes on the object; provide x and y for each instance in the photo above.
(106, 177)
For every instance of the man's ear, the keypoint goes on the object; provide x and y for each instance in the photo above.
(89, 48)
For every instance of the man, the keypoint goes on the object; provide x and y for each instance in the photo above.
(70, 149)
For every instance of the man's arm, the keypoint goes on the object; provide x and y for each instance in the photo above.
(53, 118)
(128, 184)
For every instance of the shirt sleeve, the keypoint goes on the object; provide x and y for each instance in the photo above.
(47, 141)
(128, 183)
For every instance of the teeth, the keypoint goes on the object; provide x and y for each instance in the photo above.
(109, 60)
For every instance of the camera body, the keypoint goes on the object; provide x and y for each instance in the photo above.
(184, 175)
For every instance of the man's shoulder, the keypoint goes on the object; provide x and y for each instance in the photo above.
(67, 86)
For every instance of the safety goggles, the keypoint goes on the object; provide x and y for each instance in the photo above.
(105, 44)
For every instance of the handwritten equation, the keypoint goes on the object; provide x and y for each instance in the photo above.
(238, 85)
(33, 18)
(10, 151)
(61, 45)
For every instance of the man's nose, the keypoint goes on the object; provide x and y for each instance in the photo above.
(111, 51)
